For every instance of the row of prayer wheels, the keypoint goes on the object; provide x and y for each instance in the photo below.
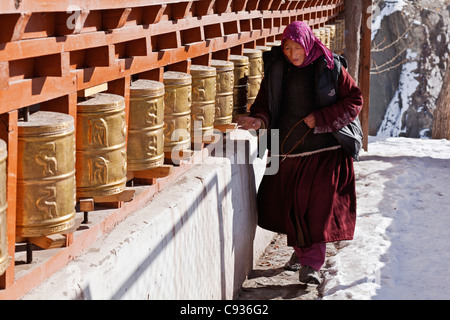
(58, 163)
(332, 35)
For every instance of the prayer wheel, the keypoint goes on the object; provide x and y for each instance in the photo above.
(342, 31)
(101, 152)
(4, 258)
(145, 147)
(177, 111)
(203, 98)
(224, 91)
(263, 49)
(255, 73)
(322, 35)
(332, 29)
(317, 34)
(240, 87)
(326, 36)
(339, 35)
(45, 174)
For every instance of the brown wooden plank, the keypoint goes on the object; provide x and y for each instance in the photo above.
(49, 242)
(158, 172)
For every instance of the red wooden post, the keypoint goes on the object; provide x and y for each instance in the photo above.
(10, 135)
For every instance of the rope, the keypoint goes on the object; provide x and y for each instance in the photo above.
(300, 141)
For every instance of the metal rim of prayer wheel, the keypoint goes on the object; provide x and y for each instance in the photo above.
(101, 157)
(177, 110)
(273, 43)
(4, 258)
(240, 89)
(203, 99)
(263, 48)
(45, 174)
(224, 91)
(145, 146)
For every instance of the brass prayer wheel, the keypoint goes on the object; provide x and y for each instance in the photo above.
(145, 147)
(4, 258)
(325, 32)
(317, 34)
(342, 33)
(339, 37)
(240, 88)
(224, 91)
(322, 35)
(45, 174)
(255, 73)
(263, 49)
(101, 156)
(332, 29)
(177, 110)
(203, 98)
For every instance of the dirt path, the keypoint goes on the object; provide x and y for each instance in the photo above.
(270, 281)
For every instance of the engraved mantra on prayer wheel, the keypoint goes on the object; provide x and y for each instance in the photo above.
(224, 91)
(4, 258)
(241, 71)
(145, 148)
(177, 111)
(45, 174)
(255, 73)
(101, 159)
(203, 98)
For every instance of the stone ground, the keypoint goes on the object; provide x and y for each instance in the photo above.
(270, 281)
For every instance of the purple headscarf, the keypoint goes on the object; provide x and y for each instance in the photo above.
(301, 33)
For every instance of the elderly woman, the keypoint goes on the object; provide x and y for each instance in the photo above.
(305, 95)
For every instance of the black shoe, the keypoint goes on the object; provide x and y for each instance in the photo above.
(307, 274)
(293, 264)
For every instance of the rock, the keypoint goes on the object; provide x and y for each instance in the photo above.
(410, 50)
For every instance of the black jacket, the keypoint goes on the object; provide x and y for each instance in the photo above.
(326, 80)
(325, 86)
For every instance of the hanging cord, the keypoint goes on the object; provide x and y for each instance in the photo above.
(298, 142)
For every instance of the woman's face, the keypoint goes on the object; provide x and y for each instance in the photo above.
(294, 52)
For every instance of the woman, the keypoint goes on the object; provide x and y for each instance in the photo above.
(306, 95)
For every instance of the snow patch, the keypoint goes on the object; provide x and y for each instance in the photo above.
(391, 125)
(389, 8)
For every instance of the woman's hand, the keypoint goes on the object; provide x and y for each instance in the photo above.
(310, 121)
(249, 123)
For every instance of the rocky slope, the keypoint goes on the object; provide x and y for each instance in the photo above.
(411, 54)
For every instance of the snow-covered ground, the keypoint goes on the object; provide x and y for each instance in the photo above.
(401, 244)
